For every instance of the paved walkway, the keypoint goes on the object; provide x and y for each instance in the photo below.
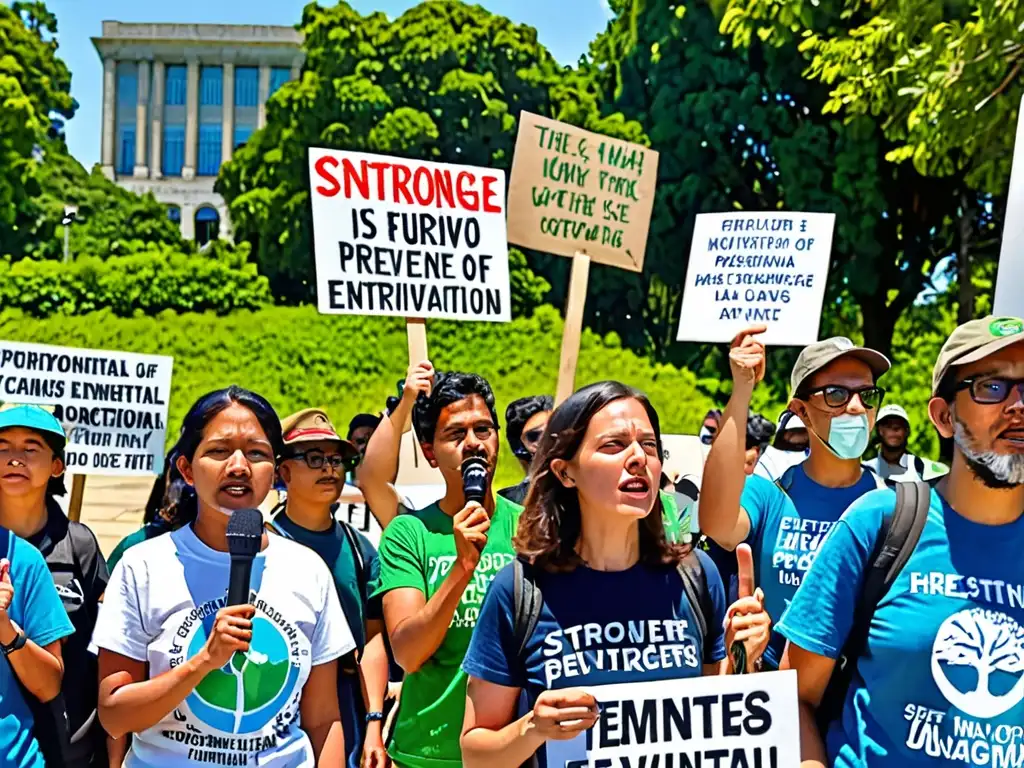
(113, 507)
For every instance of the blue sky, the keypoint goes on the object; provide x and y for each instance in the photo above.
(566, 27)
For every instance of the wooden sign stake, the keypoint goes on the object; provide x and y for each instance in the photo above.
(573, 329)
(77, 496)
(416, 335)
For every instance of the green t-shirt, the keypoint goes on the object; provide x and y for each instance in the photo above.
(417, 550)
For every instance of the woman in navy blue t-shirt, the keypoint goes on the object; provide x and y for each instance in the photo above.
(614, 606)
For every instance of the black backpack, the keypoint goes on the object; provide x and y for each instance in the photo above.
(528, 599)
(898, 536)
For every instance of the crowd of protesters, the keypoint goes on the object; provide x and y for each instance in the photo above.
(893, 586)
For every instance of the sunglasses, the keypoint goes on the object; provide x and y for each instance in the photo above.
(991, 391)
(838, 396)
(316, 460)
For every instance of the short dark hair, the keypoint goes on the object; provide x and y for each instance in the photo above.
(449, 387)
(361, 420)
(760, 431)
(551, 522)
(521, 411)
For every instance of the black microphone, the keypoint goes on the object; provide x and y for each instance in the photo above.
(474, 479)
(245, 534)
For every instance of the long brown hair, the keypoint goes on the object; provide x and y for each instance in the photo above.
(550, 525)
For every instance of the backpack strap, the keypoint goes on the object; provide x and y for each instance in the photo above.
(528, 601)
(357, 556)
(785, 481)
(695, 582)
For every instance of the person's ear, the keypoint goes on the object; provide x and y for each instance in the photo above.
(284, 471)
(560, 468)
(799, 407)
(428, 454)
(941, 414)
(186, 470)
(58, 467)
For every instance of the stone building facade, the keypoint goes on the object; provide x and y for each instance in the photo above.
(178, 99)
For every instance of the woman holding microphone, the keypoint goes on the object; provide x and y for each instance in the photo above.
(200, 682)
(614, 601)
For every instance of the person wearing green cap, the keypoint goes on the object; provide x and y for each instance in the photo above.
(33, 620)
(940, 682)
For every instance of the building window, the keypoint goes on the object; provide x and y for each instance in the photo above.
(209, 150)
(211, 86)
(174, 150)
(177, 85)
(207, 225)
(126, 150)
(174, 213)
(242, 134)
(247, 86)
(278, 77)
(127, 88)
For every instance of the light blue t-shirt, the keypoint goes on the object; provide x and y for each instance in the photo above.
(941, 683)
(38, 610)
(597, 628)
(786, 529)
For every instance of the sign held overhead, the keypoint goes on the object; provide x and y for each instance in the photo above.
(408, 238)
(573, 191)
(750, 268)
(113, 405)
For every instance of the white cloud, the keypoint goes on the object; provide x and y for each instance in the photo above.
(607, 9)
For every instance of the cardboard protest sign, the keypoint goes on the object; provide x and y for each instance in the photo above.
(573, 191)
(408, 238)
(1009, 298)
(113, 405)
(750, 268)
(729, 720)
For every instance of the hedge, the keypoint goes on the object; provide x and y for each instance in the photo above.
(147, 283)
(298, 358)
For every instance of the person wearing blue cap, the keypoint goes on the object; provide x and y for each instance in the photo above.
(33, 622)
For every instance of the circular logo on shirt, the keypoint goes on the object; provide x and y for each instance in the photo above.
(978, 662)
(1006, 326)
(250, 690)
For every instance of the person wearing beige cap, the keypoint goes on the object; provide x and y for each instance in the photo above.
(835, 396)
(939, 679)
(313, 466)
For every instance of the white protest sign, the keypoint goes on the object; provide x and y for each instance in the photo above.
(408, 238)
(1009, 298)
(113, 405)
(724, 721)
(751, 268)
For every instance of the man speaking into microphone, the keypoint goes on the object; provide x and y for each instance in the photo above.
(436, 563)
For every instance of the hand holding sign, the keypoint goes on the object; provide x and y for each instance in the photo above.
(419, 380)
(562, 715)
(747, 624)
(746, 357)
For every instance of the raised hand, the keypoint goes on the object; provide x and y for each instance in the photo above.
(419, 379)
(747, 622)
(747, 357)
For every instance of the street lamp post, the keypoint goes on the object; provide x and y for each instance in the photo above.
(70, 212)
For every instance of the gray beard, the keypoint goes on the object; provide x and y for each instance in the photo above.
(1000, 471)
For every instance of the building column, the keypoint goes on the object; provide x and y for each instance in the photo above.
(141, 113)
(188, 221)
(157, 110)
(227, 110)
(261, 108)
(188, 171)
(296, 68)
(109, 116)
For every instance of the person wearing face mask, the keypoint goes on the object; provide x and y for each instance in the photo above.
(436, 563)
(941, 683)
(836, 396)
(200, 682)
(592, 545)
(525, 420)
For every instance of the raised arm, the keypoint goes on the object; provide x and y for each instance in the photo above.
(379, 467)
(721, 516)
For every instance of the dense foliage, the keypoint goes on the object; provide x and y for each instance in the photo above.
(145, 283)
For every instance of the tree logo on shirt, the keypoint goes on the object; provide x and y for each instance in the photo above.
(250, 690)
(978, 662)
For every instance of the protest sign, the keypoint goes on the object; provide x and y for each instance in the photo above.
(1009, 298)
(408, 238)
(729, 721)
(752, 268)
(583, 195)
(113, 405)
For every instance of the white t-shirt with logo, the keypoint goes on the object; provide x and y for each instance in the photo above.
(159, 605)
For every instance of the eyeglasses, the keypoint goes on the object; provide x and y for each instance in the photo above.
(991, 391)
(316, 460)
(838, 396)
